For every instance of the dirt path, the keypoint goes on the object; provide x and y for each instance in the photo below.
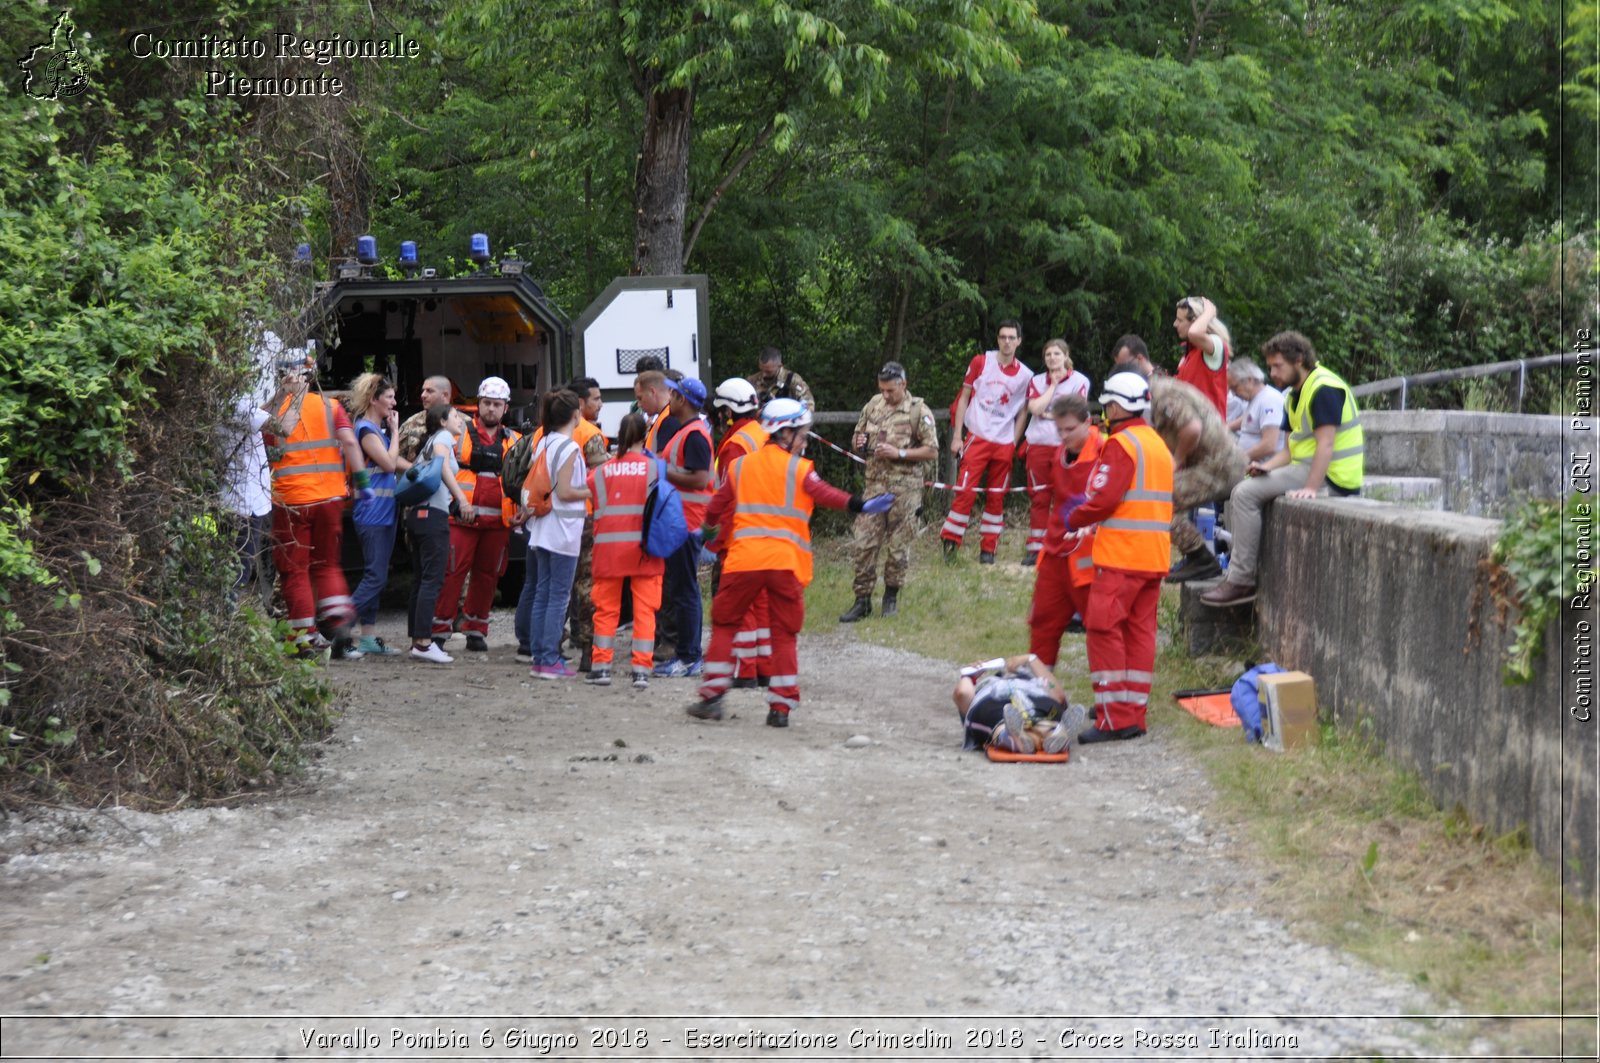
(471, 843)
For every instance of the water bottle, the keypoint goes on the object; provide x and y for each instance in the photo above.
(1205, 518)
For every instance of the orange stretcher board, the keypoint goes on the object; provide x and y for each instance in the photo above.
(1004, 756)
(1209, 706)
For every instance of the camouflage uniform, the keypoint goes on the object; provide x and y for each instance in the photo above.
(581, 606)
(413, 433)
(1213, 467)
(907, 426)
(788, 385)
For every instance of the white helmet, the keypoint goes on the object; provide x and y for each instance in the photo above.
(1128, 390)
(494, 388)
(785, 413)
(737, 395)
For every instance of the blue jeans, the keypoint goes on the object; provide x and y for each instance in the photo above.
(524, 615)
(555, 573)
(377, 545)
(682, 597)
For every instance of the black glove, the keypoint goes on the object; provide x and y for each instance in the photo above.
(455, 508)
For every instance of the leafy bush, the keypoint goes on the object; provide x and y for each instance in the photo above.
(132, 260)
(1529, 573)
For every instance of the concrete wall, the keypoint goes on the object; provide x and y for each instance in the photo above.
(1381, 605)
(1486, 461)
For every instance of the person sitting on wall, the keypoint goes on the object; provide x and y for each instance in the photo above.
(1326, 450)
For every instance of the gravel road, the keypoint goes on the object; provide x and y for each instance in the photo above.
(480, 857)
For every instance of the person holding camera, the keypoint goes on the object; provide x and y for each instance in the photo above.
(428, 524)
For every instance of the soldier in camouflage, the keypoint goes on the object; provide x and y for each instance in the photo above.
(896, 433)
(435, 389)
(1206, 461)
(775, 382)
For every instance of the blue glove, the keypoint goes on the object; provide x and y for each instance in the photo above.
(363, 482)
(1072, 503)
(878, 503)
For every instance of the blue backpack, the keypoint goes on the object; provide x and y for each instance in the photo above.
(665, 530)
(1247, 701)
(419, 482)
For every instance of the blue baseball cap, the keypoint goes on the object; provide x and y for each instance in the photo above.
(693, 392)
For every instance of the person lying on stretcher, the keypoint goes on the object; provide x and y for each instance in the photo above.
(1016, 704)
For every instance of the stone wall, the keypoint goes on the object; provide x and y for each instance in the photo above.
(1382, 605)
(1486, 462)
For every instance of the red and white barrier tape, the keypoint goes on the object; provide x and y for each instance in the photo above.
(926, 483)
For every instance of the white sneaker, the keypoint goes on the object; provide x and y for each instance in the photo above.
(432, 653)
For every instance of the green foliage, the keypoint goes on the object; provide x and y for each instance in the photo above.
(1540, 564)
(133, 263)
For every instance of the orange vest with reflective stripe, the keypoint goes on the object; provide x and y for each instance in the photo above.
(468, 479)
(311, 466)
(1137, 536)
(771, 514)
(1080, 559)
(694, 502)
(653, 431)
(747, 439)
(621, 486)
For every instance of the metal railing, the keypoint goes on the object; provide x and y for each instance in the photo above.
(1404, 384)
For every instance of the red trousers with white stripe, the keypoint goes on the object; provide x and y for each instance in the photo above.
(1121, 627)
(752, 645)
(1040, 465)
(608, 609)
(990, 463)
(1055, 599)
(478, 551)
(786, 610)
(305, 549)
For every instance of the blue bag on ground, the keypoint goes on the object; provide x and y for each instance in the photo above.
(418, 483)
(665, 531)
(1247, 701)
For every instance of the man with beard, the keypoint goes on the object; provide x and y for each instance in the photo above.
(478, 537)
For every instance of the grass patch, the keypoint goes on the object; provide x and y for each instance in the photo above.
(1357, 854)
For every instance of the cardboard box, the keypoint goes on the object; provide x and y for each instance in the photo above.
(1288, 710)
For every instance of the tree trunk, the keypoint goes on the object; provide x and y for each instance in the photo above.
(661, 182)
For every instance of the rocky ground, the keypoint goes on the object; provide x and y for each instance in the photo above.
(558, 870)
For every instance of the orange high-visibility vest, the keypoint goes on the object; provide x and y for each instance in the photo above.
(653, 431)
(771, 514)
(694, 502)
(747, 439)
(311, 466)
(1137, 536)
(468, 479)
(1080, 559)
(587, 430)
(621, 486)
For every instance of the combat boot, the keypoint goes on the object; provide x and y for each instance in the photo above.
(891, 601)
(862, 608)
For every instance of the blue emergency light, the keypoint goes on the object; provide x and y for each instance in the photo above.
(480, 248)
(367, 250)
(408, 254)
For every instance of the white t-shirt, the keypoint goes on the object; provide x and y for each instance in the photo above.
(998, 397)
(440, 499)
(1266, 409)
(1042, 427)
(247, 485)
(561, 530)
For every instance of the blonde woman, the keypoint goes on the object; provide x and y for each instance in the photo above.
(1058, 379)
(1207, 350)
